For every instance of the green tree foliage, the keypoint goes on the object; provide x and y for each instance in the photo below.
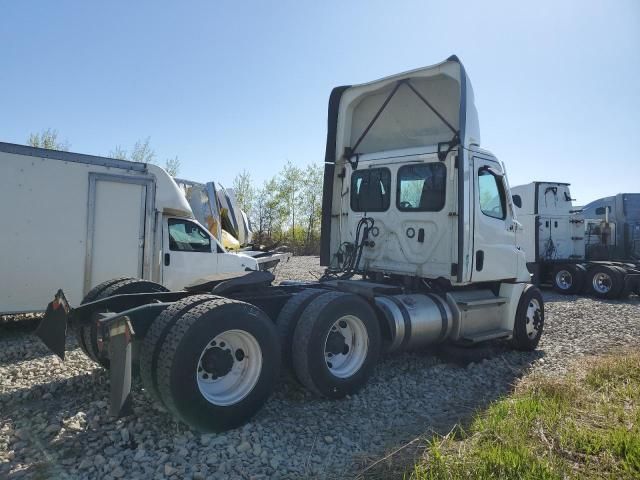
(48, 139)
(286, 209)
(143, 152)
(244, 191)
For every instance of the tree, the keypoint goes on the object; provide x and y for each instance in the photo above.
(48, 139)
(143, 152)
(290, 183)
(172, 166)
(244, 191)
(118, 153)
(312, 202)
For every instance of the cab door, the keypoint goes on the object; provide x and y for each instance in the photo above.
(494, 242)
(188, 253)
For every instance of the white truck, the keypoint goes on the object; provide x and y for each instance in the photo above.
(555, 236)
(81, 219)
(418, 231)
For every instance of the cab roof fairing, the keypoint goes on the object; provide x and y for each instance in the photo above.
(406, 121)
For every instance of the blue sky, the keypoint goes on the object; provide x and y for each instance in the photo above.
(228, 86)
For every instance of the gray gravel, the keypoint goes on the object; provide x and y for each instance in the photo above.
(54, 420)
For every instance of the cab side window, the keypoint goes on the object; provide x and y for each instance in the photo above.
(186, 236)
(492, 195)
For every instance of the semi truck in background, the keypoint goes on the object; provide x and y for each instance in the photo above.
(419, 237)
(82, 219)
(613, 228)
(560, 240)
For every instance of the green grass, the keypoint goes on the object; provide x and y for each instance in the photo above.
(585, 426)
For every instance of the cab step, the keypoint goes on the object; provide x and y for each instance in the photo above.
(478, 298)
(484, 336)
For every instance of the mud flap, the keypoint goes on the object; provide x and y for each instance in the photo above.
(120, 333)
(53, 327)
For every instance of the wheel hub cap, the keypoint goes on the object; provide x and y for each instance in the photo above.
(229, 367)
(564, 280)
(602, 282)
(346, 346)
(217, 362)
(534, 318)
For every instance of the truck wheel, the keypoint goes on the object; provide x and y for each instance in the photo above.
(604, 282)
(92, 295)
(218, 364)
(288, 319)
(529, 321)
(89, 331)
(568, 279)
(336, 344)
(627, 289)
(154, 338)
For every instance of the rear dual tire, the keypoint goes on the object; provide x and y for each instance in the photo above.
(87, 332)
(604, 281)
(215, 363)
(568, 279)
(336, 344)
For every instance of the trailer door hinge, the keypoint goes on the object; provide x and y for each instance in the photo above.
(453, 214)
(455, 161)
(454, 269)
(577, 238)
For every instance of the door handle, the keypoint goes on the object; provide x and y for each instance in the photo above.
(167, 259)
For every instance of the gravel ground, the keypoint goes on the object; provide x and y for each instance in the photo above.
(54, 420)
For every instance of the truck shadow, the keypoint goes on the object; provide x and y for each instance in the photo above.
(18, 344)
(59, 426)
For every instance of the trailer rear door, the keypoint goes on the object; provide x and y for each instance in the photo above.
(115, 228)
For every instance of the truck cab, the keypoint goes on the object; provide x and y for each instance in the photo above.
(404, 152)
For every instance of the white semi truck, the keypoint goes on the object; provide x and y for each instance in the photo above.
(418, 232)
(81, 219)
(556, 236)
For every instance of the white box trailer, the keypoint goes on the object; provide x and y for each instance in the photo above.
(78, 220)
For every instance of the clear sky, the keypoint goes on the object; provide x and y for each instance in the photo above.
(229, 85)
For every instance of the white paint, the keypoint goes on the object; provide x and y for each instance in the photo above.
(45, 212)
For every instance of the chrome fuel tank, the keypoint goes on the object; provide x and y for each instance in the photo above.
(415, 320)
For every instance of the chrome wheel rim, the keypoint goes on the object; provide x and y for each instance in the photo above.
(346, 346)
(533, 318)
(602, 282)
(564, 279)
(229, 367)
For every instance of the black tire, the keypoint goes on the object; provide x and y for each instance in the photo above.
(604, 282)
(92, 295)
(148, 358)
(627, 289)
(567, 279)
(522, 340)
(288, 319)
(179, 357)
(312, 333)
(121, 286)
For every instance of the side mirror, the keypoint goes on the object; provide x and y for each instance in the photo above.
(517, 201)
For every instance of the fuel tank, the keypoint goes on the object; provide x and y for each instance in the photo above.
(415, 320)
